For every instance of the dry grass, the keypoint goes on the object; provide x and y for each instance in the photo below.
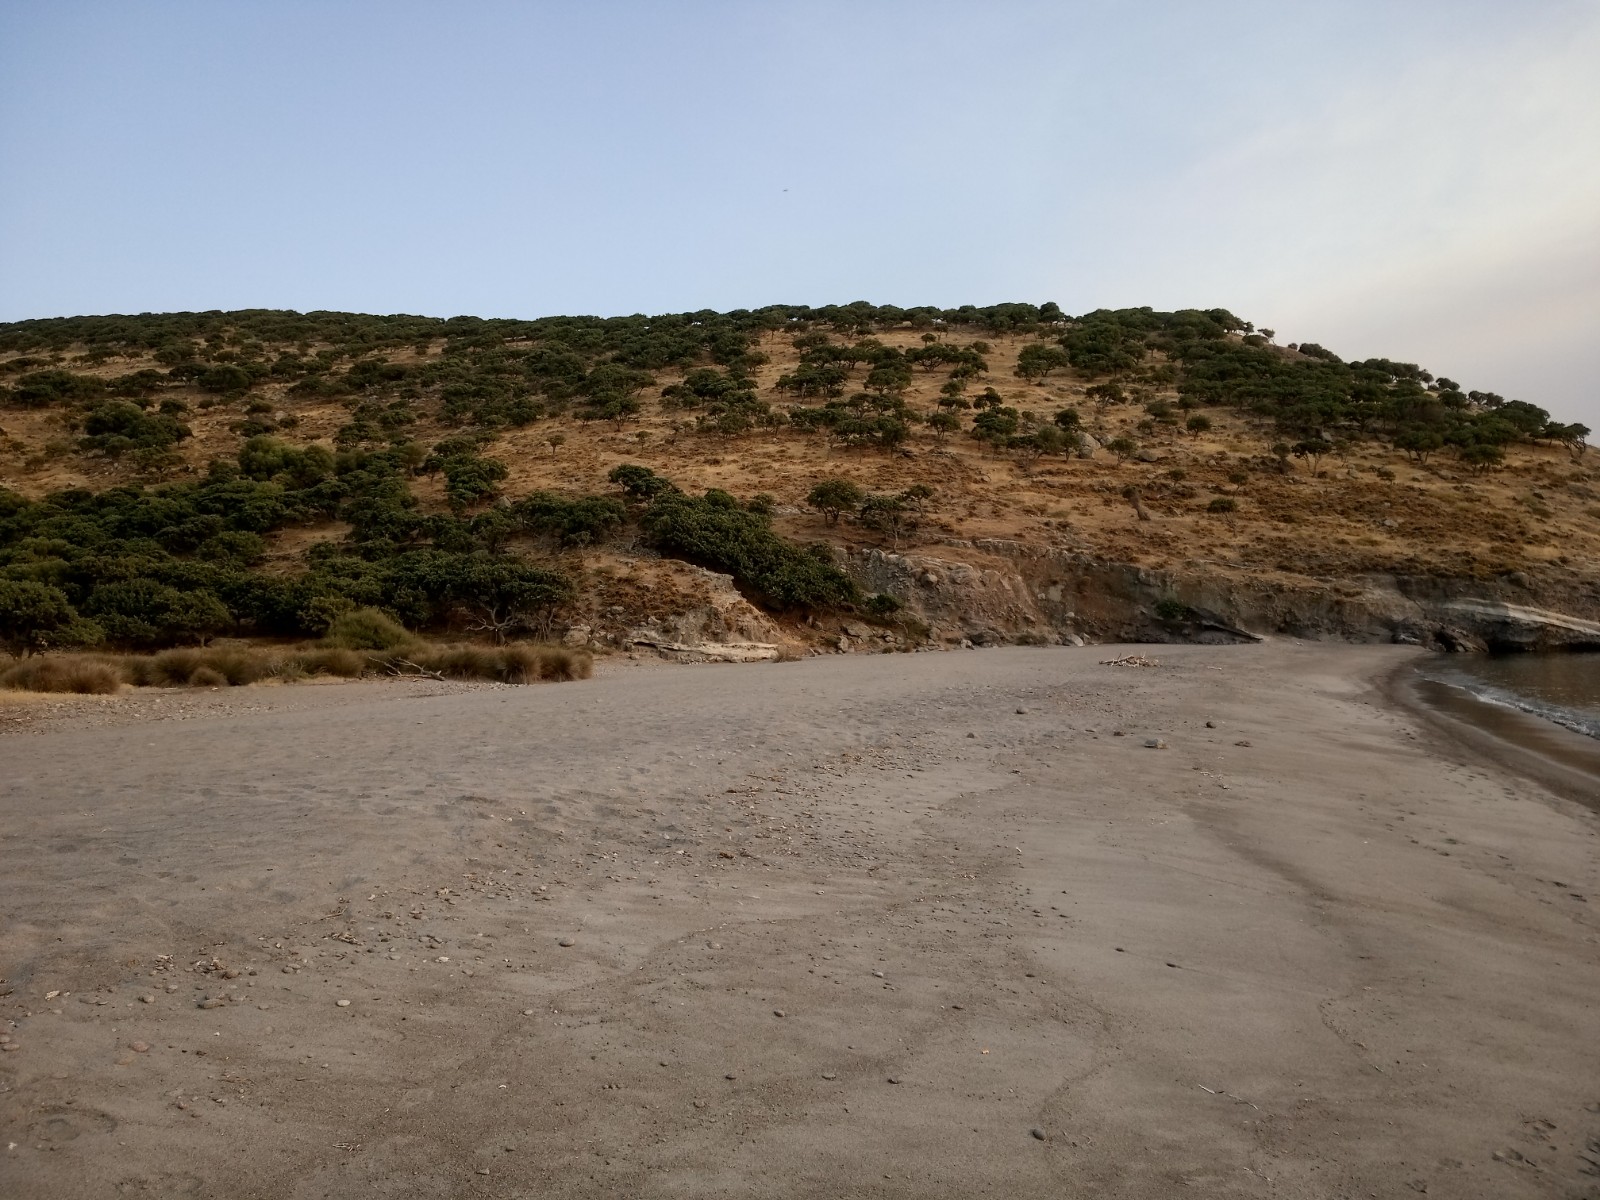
(62, 673)
(521, 662)
(237, 666)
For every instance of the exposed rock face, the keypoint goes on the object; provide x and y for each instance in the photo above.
(991, 592)
(707, 620)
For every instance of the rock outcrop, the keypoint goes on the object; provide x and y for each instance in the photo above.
(992, 592)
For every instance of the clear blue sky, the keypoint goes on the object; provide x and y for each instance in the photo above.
(1419, 180)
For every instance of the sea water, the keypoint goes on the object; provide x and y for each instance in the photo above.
(1563, 688)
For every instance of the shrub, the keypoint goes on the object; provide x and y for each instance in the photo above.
(882, 605)
(1223, 504)
(366, 629)
(1170, 608)
(715, 532)
(346, 664)
(51, 673)
(205, 677)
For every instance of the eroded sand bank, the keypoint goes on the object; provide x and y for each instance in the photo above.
(1297, 954)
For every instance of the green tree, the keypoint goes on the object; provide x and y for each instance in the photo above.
(1123, 447)
(892, 515)
(1037, 360)
(35, 616)
(1312, 450)
(1197, 424)
(834, 497)
(943, 423)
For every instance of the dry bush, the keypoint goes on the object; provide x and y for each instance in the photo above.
(367, 629)
(172, 668)
(346, 664)
(559, 664)
(522, 662)
(235, 666)
(457, 662)
(62, 673)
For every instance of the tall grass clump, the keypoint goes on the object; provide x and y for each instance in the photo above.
(62, 673)
(521, 662)
(367, 629)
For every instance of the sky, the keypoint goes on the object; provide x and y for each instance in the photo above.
(1413, 179)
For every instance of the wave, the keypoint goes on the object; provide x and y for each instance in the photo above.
(1578, 722)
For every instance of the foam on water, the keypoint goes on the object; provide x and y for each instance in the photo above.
(1560, 688)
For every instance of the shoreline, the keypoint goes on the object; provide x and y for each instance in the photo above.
(1523, 745)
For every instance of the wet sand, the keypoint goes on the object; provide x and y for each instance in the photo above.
(897, 926)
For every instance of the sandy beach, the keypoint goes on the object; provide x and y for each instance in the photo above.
(1013, 923)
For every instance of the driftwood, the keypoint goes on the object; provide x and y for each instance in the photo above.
(416, 671)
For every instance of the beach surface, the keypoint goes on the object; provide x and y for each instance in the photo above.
(1015, 923)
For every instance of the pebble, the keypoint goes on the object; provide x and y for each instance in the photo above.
(147, 999)
(527, 1012)
(730, 1075)
(699, 1103)
(212, 1002)
(894, 1079)
(567, 941)
(1245, 744)
(778, 1012)
(1021, 711)
(830, 1075)
(9, 1046)
(1211, 724)
(877, 974)
(1037, 1133)
(342, 1003)
(1154, 744)
(139, 1047)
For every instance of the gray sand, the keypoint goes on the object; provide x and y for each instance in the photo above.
(1036, 961)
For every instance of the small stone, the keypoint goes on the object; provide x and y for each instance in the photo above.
(1211, 724)
(1036, 1133)
(139, 1047)
(894, 1079)
(147, 999)
(211, 1002)
(567, 941)
(287, 970)
(9, 1046)
(730, 1075)
(699, 1103)
(1244, 744)
(830, 1076)
(342, 1003)
(972, 735)
(877, 974)
(778, 1012)
(483, 1170)
(1021, 711)
(958, 1007)
(1154, 744)
(527, 1012)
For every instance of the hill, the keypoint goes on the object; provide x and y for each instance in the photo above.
(992, 474)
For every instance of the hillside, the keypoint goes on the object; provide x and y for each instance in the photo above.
(1027, 475)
